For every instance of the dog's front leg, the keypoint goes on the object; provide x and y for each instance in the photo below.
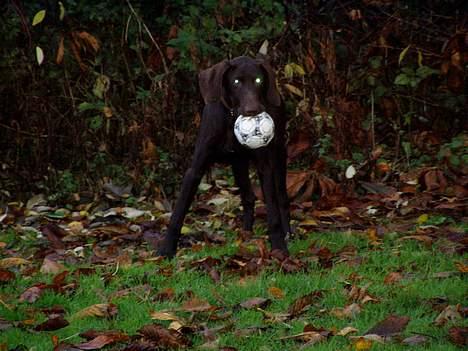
(192, 178)
(281, 190)
(267, 167)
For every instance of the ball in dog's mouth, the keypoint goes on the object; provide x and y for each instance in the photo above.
(254, 131)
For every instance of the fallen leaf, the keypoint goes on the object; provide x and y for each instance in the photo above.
(52, 324)
(349, 311)
(362, 344)
(276, 292)
(392, 278)
(451, 313)
(299, 305)
(459, 335)
(415, 340)
(295, 181)
(6, 275)
(164, 338)
(347, 330)
(311, 337)
(51, 267)
(97, 343)
(97, 310)
(390, 326)
(13, 262)
(463, 268)
(197, 305)
(256, 302)
(32, 294)
(165, 316)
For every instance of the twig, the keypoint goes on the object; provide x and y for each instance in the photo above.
(166, 70)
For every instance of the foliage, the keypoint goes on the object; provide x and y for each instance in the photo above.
(88, 82)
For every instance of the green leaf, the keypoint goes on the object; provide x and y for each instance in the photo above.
(403, 54)
(402, 79)
(420, 58)
(39, 17)
(101, 85)
(62, 11)
(454, 160)
(298, 69)
(95, 122)
(406, 148)
(380, 91)
(288, 71)
(425, 71)
(371, 81)
(39, 55)
(375, 62)
(85, 106)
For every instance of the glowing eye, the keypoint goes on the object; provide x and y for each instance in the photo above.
(236, 81)
(258, 80)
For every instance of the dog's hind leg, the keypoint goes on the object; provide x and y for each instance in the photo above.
(240, 169)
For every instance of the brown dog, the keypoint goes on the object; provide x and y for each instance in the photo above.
(242, 86)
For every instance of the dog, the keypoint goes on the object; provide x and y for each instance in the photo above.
(241, 86)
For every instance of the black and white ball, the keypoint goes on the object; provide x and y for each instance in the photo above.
(254, 131)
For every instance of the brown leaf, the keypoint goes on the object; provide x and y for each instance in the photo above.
(459, 335)
(295, 181)
(390, 326)
(392, 278)
(168, 338)
(349, 311)
(435, 180)
(54, 234)
(6, 275)
(449, 314)
(300, 304)
(97, 343)
(52, 324)
(51, 267)
(166, 294)
(256, 302)
(415, 340)
(310, 337)
(115, 334)
(97, 310)
(32, 294)
(12, 262)
(299, 144)
(197, 305)
(362, 344)
(347, 330)
(60, 51)
(276, 292)
(165, 316)
(89, 40)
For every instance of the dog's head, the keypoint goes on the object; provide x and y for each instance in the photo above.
(243, 83)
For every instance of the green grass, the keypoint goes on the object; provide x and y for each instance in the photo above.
(410, 297)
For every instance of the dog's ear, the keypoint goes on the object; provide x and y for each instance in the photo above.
(211, 82)
(272, 94)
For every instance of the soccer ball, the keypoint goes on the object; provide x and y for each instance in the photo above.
(254, 131)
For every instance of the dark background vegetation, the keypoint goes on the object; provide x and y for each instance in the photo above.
(380, 84)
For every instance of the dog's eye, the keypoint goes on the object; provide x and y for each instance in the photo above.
(236, 82)
(258, 80)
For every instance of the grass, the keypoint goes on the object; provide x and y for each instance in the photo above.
(409, 297)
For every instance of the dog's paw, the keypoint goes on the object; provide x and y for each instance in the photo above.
(166, 249)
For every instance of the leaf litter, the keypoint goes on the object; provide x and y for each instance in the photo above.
(91, 235)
